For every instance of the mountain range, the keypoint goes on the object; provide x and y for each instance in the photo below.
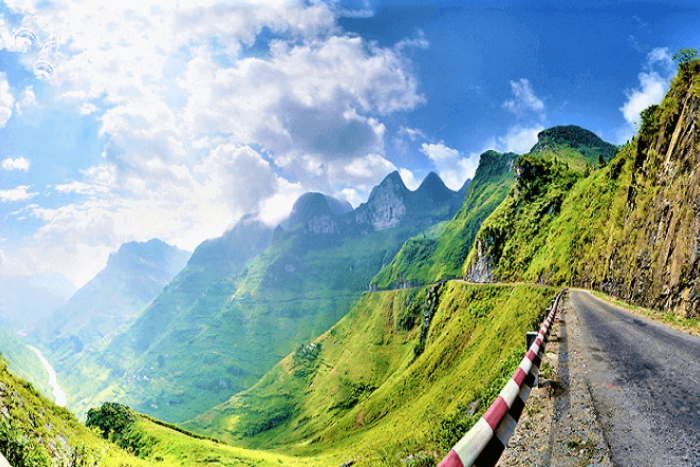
(334, 338)
(247, 299)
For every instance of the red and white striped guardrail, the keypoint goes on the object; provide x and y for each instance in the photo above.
(479, 446)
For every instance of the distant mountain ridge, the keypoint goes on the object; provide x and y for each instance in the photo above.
(28, 301)
(424, 259)
(246, 300)
(134, 275)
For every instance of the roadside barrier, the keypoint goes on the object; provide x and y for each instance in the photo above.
(485, 442)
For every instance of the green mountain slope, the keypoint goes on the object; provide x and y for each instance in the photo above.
(630, 229)
(215, 332)
(34, 432)
(134, 275)
(23, 362)
(426, 259)
(576, 146)
(379, 385)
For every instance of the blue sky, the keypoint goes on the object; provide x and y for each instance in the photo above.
(171, 120)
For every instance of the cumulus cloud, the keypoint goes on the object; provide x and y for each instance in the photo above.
(451, 166)
(19, 163)
(80, 188)
(518, 139)
(653, 84)
(524, 99)
(16, 194)
(27, 100)
(199, 131)
(7, 101)
(409, 179)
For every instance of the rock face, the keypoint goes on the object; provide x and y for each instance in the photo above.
(390, 205)
(656, 261)
(386, 205)
(482, 270)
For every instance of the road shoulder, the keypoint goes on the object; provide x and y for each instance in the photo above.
(559, 425)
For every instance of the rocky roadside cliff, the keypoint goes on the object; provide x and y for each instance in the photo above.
(629, 227)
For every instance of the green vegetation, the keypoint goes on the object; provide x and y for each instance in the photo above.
(215, 330)
(628, 229)
(359, 391)
(423, 260)
(36, 433)
(575, 146)
(512, 235)
(23, 362)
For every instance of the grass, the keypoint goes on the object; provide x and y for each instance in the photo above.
(428, 258)
(34, 432)
(365, 397)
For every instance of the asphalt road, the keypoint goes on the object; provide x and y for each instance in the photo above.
(645, 382)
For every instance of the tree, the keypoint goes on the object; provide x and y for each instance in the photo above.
(685, 57)
(113, 419)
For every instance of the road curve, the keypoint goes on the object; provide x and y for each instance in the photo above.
(645, 381)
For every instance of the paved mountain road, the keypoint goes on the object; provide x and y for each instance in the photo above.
(645, 382)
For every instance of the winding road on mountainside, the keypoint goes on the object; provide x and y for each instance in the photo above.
(644, 379)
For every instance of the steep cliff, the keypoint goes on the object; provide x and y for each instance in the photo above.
(426, 259)
(630, 229)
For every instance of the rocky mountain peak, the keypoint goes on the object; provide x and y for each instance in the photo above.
(386, 205)
(434, 189)
(153, 252)
(310, 205)
(574, 137)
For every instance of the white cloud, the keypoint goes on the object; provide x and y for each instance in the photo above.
(16, 194)
(27, 99)
(19, 163)
(276, 208)
(418, 42)
(352, 196)
(81, 188)
(199, 133)
(367, 171)
(7, 101)
(524, 99)
(518, 139)
(654, 82)
(451, 166)
(409, 179)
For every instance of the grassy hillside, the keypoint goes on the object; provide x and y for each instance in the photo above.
(426, 259)
(629, 229)
(23, 362)
(575, 146)
(236, 329)
(380, 385)
(34, 432)
(511, 237)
